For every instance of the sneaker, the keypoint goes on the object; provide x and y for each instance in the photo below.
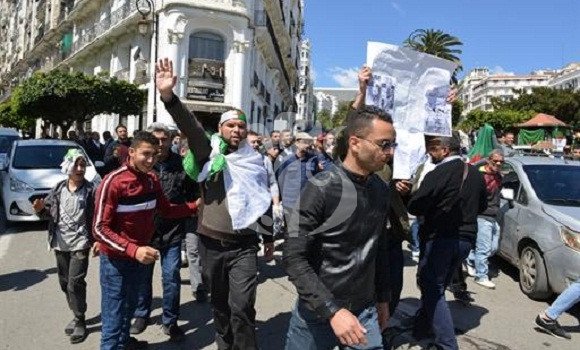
(70, 326)
(175, 333)
(470, 270)
(552, 327)
(138, 326)
(200, 296)
(79, 333)
(134, 344)
(486, 283)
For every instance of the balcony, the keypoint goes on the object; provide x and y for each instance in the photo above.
(101, 27)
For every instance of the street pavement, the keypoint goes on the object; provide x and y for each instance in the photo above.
(33, 310)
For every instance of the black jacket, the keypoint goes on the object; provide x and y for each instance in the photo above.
(447, 212)
(178, 188)
(335, 249)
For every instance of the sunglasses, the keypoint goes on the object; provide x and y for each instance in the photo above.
(385, 145)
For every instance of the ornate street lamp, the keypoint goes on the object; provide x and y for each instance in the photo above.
(145, 8)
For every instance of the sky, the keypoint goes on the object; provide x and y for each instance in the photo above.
(506, 36)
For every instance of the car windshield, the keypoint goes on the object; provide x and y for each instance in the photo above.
(555, 184)
(40, 157)
(6, 142)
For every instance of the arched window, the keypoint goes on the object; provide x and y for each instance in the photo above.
(207, 45)
(206, 67)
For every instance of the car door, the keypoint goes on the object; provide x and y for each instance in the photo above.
(508, 217)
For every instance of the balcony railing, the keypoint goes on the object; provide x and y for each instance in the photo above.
(101, 27)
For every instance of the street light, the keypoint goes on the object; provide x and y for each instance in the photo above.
(145, 8)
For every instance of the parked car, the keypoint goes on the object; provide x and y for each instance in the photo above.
(7, 138)
(32, 168)
(540, 222)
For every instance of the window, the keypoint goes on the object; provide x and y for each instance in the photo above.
(206, 45)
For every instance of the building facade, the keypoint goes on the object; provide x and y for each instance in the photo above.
(567, 78)
(478, 88)
(226, 53)
(329, 98)
(305, 97)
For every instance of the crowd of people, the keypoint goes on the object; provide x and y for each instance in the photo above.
(332, 199)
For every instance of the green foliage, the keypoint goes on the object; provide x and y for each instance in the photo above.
(438, 43)
(338, 119)
(500, 119)
(456, 110)
(563, 104)
(62, 98)
(10, 119)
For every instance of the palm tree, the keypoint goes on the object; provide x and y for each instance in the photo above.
(438, 43)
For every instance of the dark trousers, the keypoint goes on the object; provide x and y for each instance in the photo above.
(171, 281)
(230, 270)
(72, 270)
(396, 265)
(438, 263)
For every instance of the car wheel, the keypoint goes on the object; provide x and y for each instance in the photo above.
(533, 275)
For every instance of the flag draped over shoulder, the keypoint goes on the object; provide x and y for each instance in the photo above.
(484, 144)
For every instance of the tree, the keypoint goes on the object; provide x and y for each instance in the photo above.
(339, 116)
(500, 120)
(63, 98)
(438, 43)
(563, 104)
(325, 119)
(10, 119)
(456, 110)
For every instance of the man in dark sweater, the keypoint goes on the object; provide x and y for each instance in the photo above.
(450, 198)
(487, 226)
(336, 244)
(228, 254)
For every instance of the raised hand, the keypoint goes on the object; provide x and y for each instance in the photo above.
(165, 80)
(364, 76)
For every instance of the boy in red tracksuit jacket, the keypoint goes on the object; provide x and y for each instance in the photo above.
(125, 204)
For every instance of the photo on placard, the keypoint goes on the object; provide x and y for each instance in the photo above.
(438, 118)
(381, 92)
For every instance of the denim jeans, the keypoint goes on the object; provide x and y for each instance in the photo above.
(171, 281)
(565, 301)
(439, 261)
(486, 246)
(415, 235)
(308, 331)
(120, 279)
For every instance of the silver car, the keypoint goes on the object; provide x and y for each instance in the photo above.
(540, 222)
(30, 171)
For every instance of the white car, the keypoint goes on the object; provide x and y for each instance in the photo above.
(31, 170)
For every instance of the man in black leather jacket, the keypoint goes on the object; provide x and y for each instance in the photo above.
(335, 250)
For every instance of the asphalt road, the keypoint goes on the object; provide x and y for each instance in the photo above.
(33, 310)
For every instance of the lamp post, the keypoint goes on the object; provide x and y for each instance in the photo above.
(145, 8)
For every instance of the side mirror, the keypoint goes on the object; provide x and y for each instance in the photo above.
(507, 194)
(99, 164)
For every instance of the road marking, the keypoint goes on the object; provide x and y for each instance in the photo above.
(4, 243)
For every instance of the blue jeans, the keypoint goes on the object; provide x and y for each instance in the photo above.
(171, 280)
(565, 301)
(308, 331)
(440, 258)
(119, 281)
(415, 235)
(485, 246)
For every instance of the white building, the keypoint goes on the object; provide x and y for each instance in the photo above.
(567, 78)
(330, 98)
(305, 97)
(479, 86)
(226, 53)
